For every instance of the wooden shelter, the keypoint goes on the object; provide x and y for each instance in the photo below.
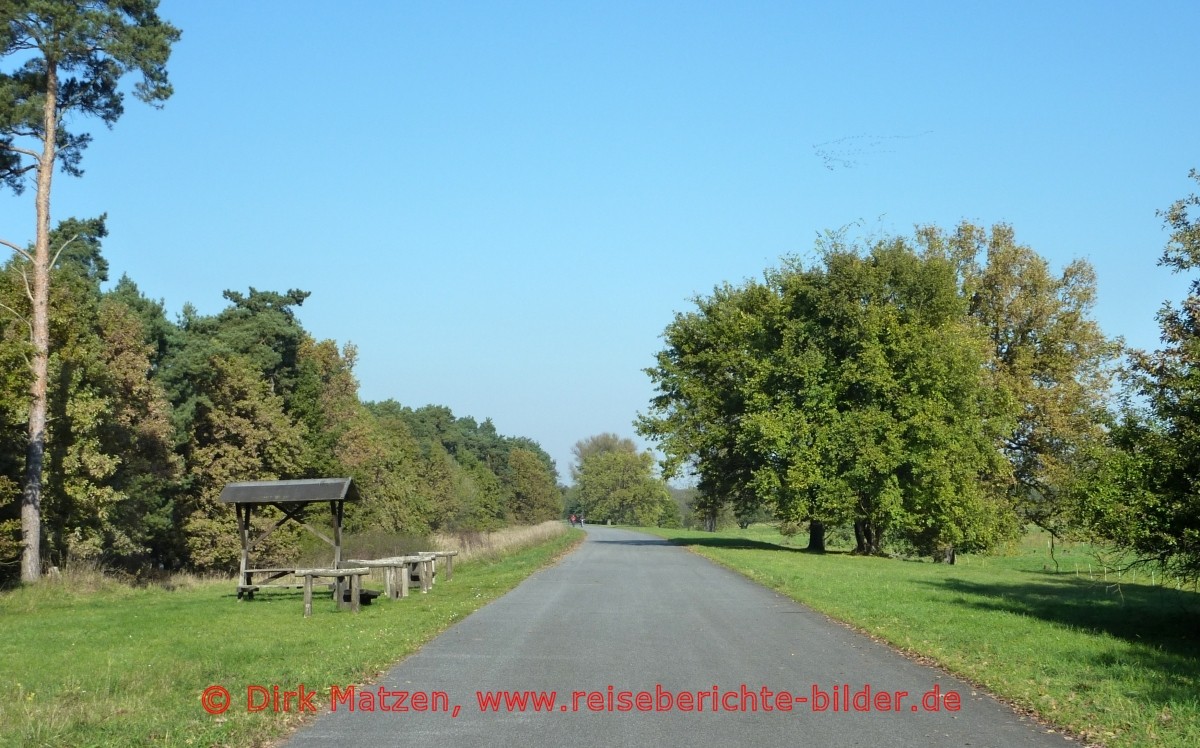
(292, 498)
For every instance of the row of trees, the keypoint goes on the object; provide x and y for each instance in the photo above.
(940, 392)
(149, 419)
(936, 391)
(118, 427)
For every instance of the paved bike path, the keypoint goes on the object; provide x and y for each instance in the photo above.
(636, 613)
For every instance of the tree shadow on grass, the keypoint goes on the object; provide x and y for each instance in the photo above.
(746, 544)
(1163, 624)
(1134, 612)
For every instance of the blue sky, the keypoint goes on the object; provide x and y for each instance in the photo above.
(503, 204)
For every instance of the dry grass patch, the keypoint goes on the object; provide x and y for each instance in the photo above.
(472, 545)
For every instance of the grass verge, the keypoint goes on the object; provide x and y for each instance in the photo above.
(126, 667)
(1114, 661)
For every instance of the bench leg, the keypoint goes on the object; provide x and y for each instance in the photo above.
(355, 584)
(449, 568)
(307, 596)
(402, 571)
(424, 576)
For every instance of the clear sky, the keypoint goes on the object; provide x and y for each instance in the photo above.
(503, 204)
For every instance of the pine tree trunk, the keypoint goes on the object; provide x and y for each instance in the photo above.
(31, 496)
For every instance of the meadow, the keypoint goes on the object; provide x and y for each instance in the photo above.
(1112, 656)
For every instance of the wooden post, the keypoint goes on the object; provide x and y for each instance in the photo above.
(355, 582)
(337, 508)
(339, 588)
(243, 520)
(402, 571)
(450, 565)
(307, 595)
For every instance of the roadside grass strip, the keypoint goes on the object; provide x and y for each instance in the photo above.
(127, 667)
(1111, 657)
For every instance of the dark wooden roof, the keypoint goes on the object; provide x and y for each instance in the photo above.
(277, 491)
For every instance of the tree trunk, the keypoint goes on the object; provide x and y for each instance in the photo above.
(866, 538)
(816, 536)
(949, 555)
(31, 496)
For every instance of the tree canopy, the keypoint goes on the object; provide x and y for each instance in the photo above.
(934, 392)
(615, 482)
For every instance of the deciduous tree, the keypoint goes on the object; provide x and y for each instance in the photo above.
(1046, 353)
(620, 485)
(852, 390)
(536, 497)
(1156, 510)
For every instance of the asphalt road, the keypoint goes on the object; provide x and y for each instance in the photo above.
(634, 613)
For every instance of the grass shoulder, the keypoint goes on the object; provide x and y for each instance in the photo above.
(121, 666)
(1116, 660)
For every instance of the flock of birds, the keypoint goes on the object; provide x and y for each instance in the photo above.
(853, 150)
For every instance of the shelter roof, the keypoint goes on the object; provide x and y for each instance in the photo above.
(281, 491)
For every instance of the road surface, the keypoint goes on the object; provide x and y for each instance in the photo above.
(632, 634)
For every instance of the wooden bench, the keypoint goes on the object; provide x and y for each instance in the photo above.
(355, 575)
(248, 586)
(399, 571)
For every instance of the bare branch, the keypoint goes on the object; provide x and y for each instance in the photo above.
(28, 290)
(13, 312)
(60, 250)
(16, 249)
(24, 170)
(19, 317)
(23, 151)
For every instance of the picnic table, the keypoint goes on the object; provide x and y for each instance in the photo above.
(355, 576)
(398, 571)
(449, 557)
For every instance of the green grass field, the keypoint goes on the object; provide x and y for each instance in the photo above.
(1115, 659)
(127, 667)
